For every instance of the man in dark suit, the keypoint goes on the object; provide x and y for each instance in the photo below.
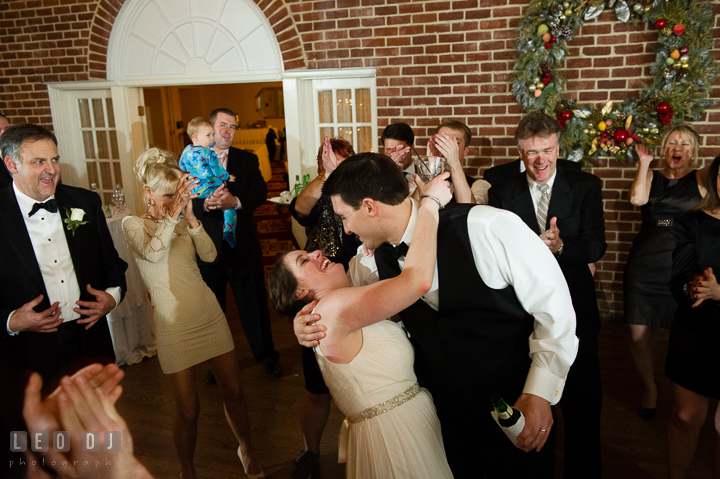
(498, 173)
(241, 266)
(62, 274)
(565, 207)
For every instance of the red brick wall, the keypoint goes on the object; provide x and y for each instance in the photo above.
(434, 59)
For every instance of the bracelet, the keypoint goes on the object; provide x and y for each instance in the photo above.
(560, 249)
(439, 203)
(237, 203)
(687, 290)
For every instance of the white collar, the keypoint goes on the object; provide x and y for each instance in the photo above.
(410, 229)
(549, 182)
(25, 202)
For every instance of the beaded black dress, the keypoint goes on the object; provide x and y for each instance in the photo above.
(325, 232)
(647, 273)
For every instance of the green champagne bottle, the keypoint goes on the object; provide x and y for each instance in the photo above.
(507, 416)
(510, 420)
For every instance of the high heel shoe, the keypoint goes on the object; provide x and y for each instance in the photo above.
(648, 412)
(250, 476)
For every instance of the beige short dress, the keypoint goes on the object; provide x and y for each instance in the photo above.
(191, 326)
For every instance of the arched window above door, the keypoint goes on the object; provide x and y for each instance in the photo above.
(202, 41)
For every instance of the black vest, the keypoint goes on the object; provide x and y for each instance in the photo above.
(476, 345)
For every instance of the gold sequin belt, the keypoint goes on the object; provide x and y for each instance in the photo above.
(371, 412)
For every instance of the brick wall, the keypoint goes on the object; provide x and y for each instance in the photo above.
(434, 59)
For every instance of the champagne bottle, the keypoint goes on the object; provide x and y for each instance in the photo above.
(511, 420)
(298, 186)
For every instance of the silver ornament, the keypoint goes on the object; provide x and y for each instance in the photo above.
(684, 58)
(654, 131)
(566, 5)
(536, 79)
(531, 88)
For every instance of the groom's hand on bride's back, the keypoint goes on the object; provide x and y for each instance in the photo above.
(307, 332)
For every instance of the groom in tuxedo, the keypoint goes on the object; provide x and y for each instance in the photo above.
(61, 273)
(498, 318)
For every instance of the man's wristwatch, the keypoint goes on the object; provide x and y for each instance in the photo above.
(237, 203)
(560, 249)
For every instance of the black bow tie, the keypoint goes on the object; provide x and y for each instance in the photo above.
(395, 251)
(50, 205)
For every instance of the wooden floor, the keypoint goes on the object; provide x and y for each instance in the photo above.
(632, 447)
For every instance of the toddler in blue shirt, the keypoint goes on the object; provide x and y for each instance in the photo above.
(201, 161)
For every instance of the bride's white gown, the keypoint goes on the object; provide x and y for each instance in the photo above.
(404, 442)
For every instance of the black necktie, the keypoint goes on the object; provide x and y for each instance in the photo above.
(386, 259)
(50, 205)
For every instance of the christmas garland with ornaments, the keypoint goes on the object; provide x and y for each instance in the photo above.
(683, 73)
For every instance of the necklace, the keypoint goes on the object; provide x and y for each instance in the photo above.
(150, 216)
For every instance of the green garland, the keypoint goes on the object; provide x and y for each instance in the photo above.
(683, 73)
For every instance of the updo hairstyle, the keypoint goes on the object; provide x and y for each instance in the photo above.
(158, 170)
(283, 286)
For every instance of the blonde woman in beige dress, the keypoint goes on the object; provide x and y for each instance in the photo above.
(191, 326)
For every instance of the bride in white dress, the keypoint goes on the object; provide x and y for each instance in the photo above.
(391, 429)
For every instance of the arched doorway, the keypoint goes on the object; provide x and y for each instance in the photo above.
(101, 125)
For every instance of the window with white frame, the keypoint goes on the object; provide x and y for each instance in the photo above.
(345, 108)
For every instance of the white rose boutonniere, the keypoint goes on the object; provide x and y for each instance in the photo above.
(74, 218)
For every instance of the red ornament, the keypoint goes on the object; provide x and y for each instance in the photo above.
(678, 29)
(660, 24)
(663, 107)
(548, 44)
(684, 50)
(620, 136)
(603, 134)
(553, 39)
(566, 115)
(546, 80)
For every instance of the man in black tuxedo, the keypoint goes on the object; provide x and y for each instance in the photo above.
(57, 283)
(569, 218)
(241, 266)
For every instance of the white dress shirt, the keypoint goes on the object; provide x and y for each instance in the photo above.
(48, 240)
(536, 192)
(508, 253)
(223, 161)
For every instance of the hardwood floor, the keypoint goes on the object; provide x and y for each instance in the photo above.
(632, 447)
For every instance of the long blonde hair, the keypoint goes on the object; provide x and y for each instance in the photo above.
(158, 170)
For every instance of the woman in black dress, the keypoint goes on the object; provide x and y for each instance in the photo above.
(663, 194)
(693, 363)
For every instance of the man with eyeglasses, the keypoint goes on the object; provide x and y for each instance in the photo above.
(565, 208)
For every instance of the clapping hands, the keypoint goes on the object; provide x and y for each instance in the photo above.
(704, 286)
